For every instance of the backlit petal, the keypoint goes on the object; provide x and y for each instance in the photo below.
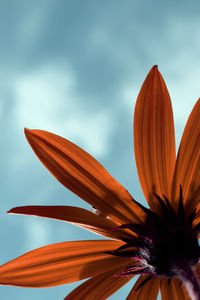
(61, 263)
(197, 270)
(187, 169)
(148, 291)
(83, 175)
(98, 287)
(77, 216)
(154, 138)
(173, 290)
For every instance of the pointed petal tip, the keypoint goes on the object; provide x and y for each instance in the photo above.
(26, 131)
(10, 211)
(29, 133)
(15, 210)
(155, 67)
(154, 71)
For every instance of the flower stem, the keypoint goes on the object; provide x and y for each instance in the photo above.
(190, 280)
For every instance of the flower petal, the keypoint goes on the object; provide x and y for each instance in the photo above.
(154, 138)
(187, 168)
(98, 287)
(148, 291)
(173, 290)
(61, 263)
(197, 270)
(77, 216)
(83, 175)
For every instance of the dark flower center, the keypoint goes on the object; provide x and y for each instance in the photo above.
(165, 243)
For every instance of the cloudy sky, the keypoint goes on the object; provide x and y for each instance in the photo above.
(75, 68)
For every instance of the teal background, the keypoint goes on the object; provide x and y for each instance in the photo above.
(75, 68)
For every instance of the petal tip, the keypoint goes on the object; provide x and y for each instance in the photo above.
(154, 68)
(14, 210)
(26, 130)
(153, 72)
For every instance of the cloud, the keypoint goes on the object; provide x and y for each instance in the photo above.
(46, 98)
(37, 233)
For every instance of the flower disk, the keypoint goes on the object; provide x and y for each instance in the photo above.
(165, 243)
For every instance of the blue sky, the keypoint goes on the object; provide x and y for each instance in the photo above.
(75, 68)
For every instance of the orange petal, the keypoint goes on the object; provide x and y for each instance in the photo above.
(148, 291)
(77, 216)
(174, 290)
(154, 138)
(197, 215)
(187, 169)
(83, 175)
(98, 287)
(61, 263)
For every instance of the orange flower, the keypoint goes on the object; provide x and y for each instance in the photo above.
(160, 243)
